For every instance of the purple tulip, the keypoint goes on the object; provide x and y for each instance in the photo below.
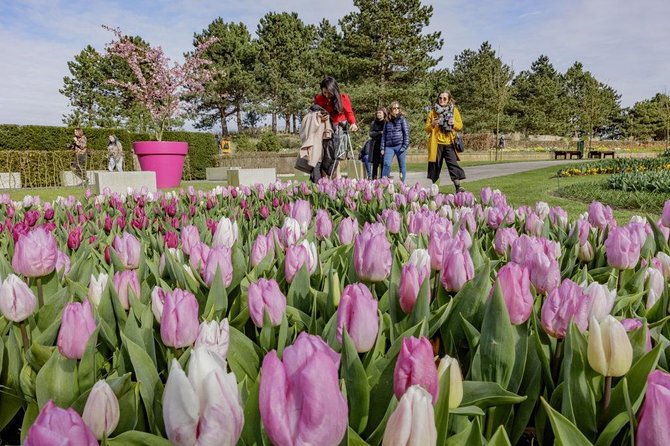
(558, 217)
(127, 248)
(301, 211)
(415, 365)
(324, 225)
(600, 215)
(190, 237)
(265, 296)
(347, 230)
(74, 238)
(534, 225)
(263, 245)
(17, 300)
(124, 282)
(622, 249)
(357, 313)
(564, 304)
(171, 239)
(665, 215)
(372, 253)
(545, 274)
(197, 258)
(297, 256)
(76, 328)
(35, 253)
(457, 268)
(391, 219)
(514, 281)
(504, 239)
(290, 232)
(220, 258)
(632, 325)
(63, 427)
(31, 217)
(654, 426)
(215, 337)
(179, 320)
(300, 399)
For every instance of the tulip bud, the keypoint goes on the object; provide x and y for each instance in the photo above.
(654, 426)
(654, 284)
(413, 420)
(564, 304)
(54, 425)
(198, 257)
(601, 300)
(455, 379)
(301, 211)
(600, 215)
(124, 282)
(372, 253)
(226, 233)
(263, 245)
(190, 237)
(347, 230)
(357, 313)
(101, 412)
(415, 365)
(179, 320)
(35, 253)
(96, 287)
(457, 268)
(514, 281)
(266, 297)
(290, 232)
(74, 238)
(610, 352)
(214, 337)
(127, 248)
(77, 326)
(623, 250)
(220, 258)
(17, 300)
(157, 302)
(324, 225)
(504, 240)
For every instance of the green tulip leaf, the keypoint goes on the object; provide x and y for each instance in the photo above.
(565, 432)
(242, 355)
(136, 438)
(356, 381)
(57, 381)
(500, 438)
(251, 431)
(484, 394)
(608, 435)
(470, 436)
(496, 346)
(29, 417)
(217, 298)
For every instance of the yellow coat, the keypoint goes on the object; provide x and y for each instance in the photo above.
(437, 136)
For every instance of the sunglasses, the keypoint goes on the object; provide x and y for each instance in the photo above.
(395, 108)
(443, 98)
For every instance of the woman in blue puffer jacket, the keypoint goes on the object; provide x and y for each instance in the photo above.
(395, 140)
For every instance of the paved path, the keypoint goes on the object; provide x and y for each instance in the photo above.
(475, 173)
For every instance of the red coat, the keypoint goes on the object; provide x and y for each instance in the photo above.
(347, 114)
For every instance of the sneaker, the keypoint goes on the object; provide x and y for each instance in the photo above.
(459, 189)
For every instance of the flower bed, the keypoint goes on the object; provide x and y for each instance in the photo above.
(658, 182)
(615, 166)
(343, 313)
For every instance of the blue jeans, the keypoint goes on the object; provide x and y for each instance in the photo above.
(388, 159)
(368, 166)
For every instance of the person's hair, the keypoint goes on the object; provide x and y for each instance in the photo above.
(78, 130)
(383, 110)
(330, 84)
(451, 98)
(400, 113)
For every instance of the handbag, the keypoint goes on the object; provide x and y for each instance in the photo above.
(302, 164)
(458, 143)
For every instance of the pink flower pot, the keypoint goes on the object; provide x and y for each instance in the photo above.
(166, 158)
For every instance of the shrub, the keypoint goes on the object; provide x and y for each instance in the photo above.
(478, 142)
(243, 142)
(269, 142)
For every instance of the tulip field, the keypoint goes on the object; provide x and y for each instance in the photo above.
(343, 313)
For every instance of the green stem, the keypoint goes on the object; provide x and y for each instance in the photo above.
(556, 361)
(40, 293)
(607, 396)
(619, 280)
(24, 336)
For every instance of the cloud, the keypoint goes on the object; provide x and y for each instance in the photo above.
(625, 48)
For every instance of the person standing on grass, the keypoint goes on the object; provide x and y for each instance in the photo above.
(442, 125)
(79, 144)
(376, 130)
(395, 140)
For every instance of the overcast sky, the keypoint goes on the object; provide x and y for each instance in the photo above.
(624, 44)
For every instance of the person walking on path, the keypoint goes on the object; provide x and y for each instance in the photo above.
(442, 125)
(114, 154)
(395, 140)
(376, 130)
(80, 146)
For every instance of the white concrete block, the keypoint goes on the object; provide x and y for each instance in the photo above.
(120, 182)
(218, 173)
(249, 177)
(68, 178)
(10, 180)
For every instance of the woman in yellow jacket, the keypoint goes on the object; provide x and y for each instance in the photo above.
(442, 124)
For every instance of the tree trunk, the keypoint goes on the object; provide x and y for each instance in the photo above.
(287, 123)
(238, 115)
(274, 122)
(224, 122)
(295, 124)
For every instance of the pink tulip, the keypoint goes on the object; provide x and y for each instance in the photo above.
(514, 281)
(266, 297)
(301, 211)
(391, 219)
(457, 268)
(600, 215)
(534, 225)
(545, 274)
(622, 249)
(74, 238)
(632, 325)
(220, 258)
(56, 426)
(290, 232)
(171, 239)
(665, 215)
(127, 248)
(35, 253)
(262, 246)
(296, 257)
(564, 304)
(324, 225)
(357, 313)
(347, 230)
(654, 425)
(415, 365)
(215, 337)
(62, 262)
(76, 328)
(124, 282)
(558, 217)
(179, 320)
(372, 253)
(504, 240)
(198, 257)
(300, 399)
(17, 300)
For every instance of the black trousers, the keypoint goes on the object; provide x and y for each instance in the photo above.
(447, 154)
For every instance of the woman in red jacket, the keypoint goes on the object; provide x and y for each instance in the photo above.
(342, 117)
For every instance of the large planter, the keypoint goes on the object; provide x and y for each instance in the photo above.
(166, 158)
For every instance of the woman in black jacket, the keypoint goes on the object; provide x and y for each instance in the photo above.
(376, 131)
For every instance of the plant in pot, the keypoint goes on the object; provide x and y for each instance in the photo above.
(160, 86)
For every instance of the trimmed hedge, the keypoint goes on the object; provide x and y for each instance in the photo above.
(28, 138)
(658, 182)
(641, 201)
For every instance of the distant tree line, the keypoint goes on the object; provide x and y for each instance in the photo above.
(378, 53)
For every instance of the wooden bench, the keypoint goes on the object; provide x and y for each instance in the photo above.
(564, 154)
(601, 153)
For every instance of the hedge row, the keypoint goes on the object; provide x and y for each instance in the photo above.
(32, 138)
